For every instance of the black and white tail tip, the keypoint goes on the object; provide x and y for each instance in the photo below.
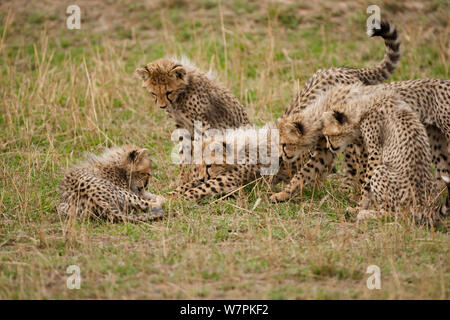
(382, 29)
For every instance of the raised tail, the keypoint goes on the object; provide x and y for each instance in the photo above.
(391, 57)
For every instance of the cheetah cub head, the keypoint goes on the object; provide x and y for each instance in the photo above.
(138, 165)
(297, 135)
(164, 79)
(213, 161)
(134, 163)
(339, 129)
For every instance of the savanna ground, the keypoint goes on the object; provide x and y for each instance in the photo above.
(65, 92)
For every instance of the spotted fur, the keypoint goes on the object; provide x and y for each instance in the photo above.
(111, 186)
(187, 95)
(428, 97)
(399, 175)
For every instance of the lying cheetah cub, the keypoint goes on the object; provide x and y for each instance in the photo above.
(399, 176)
(111, 186)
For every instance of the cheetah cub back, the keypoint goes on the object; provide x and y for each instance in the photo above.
(111, 186)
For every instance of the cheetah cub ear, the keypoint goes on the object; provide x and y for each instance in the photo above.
(178, 72)
(138, 160)
(137, 155)
(142, 73)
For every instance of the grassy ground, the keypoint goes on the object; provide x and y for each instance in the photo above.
(64, 92)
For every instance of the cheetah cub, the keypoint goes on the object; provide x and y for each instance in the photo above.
(399, 176)
(187, 95)
(233, 159)
(111, 186)
(299, 140)
(429, 99)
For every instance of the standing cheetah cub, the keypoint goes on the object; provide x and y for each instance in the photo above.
(111, 186)
(399, 176)
(429, 98)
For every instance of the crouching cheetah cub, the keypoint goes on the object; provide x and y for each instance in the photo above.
(111, 186)
(399, 176)
(429, 98)
(298, 136)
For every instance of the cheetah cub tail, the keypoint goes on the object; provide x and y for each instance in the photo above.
(392, 41)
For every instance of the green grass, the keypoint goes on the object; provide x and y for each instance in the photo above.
(66, 92)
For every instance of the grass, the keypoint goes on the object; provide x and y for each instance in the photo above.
(65, 92)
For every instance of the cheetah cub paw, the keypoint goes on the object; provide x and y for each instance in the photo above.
(158, 200)
(280, 197)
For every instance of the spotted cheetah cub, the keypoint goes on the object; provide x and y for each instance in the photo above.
(111, 186)
(187, 95)
(429, 98)
(399, 176)
(232, 159)
(296, 138)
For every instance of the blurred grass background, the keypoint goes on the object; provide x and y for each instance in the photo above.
(64, 92)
